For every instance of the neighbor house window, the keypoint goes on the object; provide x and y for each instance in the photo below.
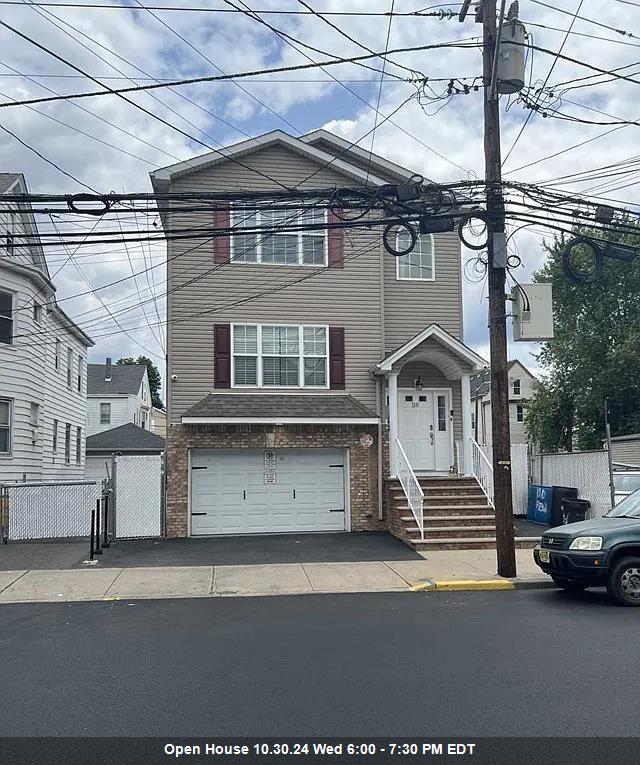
(6, 318)
(516, 387)
(285, 247)
(34, 416)
(280, 356)
(79, 375)
(519, 413)
(105, 414)
(67, 443)
(69, 368)
(54, 446)
(37, 313)
(5, 426)
(78, 446)
(56, 360)
(418, 264)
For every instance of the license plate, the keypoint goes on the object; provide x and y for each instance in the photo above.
(544, 556)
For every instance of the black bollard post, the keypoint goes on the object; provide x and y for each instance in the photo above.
(105, 536)
(97, 550)
(93, 531)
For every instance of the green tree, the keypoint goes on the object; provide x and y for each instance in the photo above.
(594, 355)
(155, 381)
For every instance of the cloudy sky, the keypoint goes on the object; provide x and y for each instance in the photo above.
(110, 145)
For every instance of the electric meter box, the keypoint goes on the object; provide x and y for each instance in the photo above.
(532, 312)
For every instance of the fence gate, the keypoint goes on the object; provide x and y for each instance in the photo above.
(137, 495)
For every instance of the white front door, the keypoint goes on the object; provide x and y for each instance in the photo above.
(425, 428)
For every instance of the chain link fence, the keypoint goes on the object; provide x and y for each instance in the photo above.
(39, 510)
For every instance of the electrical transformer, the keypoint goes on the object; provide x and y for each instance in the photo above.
(511, 57)
(532, 312)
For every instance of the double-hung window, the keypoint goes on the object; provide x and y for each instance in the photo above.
(67, 443)
(280, 356)
(278, 240)
(54, 444)
(79, 375)
(5, 426)
(419, 263)
(56, 361)
(78, 446)
(516, 387)
(519, 413)
(6, 318)
(69, 368)
(105, 413)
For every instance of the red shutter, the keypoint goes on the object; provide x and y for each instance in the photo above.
(336, 358)
(222, 244)
(335, 242)
(222, 355)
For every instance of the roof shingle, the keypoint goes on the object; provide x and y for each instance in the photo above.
(308, 406)
(125, 379)
(127, 437)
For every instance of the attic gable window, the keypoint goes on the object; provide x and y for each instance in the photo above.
(279, 245)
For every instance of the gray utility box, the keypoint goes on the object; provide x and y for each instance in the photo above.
(532, 312)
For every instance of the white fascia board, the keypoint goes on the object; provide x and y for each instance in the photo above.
(433, 330)
(211, 159)
(347, 146)
(280, 420)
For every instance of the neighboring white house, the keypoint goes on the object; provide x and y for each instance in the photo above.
(42, 358)
(117, 394)
(130, 440)
(521, 387)
(159, 421)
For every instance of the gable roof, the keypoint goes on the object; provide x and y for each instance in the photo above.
(7, 180)
(161, 178)
(347, 150)
(128, 438)
(125, 379)
(457, 347)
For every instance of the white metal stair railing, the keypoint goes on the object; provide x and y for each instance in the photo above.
(482, 469)
(410, 485)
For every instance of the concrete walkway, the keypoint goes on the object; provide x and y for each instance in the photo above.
(452, 569)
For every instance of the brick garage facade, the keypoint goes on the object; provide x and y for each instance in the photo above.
(363, 462)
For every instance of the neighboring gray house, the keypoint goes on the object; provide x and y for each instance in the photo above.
(626, 449)
(126, 439)
(42, 357)
(521, 387)
(117, 394)
(290, 409)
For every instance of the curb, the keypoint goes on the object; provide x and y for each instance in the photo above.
(468, 585)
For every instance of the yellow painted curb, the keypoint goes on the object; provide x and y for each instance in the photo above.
(464, 584)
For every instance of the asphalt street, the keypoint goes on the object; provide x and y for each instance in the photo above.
(538, 662)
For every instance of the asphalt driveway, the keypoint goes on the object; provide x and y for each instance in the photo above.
(38, 556)
(261, 549)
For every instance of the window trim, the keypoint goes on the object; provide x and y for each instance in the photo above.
(521, 408)
(56, 356)
(38, 313)
(513, 386)
(54, 439)
(300, 356)
(78, 445)
(258, 261)
(10, 317)
(79, 374)
(70, 368)
(34, 407)
(416, 278)
(8, 427)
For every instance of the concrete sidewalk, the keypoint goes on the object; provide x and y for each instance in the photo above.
(460, 569)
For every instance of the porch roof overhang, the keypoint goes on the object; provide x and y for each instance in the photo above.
(446, 352)
(231, 408)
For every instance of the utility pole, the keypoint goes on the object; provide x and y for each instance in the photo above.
(496, 268)
(607, 430)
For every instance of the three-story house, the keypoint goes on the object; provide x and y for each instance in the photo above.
(306, 369)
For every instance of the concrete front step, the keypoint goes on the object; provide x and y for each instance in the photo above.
(452, 532)
(471, 543)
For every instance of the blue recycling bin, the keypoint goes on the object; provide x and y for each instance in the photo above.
(539, 504)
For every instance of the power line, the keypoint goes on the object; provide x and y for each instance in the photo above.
(622, 32)
(237, 75)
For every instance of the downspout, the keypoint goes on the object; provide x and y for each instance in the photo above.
(380, 391)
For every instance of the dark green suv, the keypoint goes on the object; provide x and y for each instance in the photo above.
(604, 552)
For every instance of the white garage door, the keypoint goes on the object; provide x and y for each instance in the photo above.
(258, 491)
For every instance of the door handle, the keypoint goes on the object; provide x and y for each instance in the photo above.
(294, 493)
(431, 436)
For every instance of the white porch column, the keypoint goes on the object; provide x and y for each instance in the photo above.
(465, 386)
(393, 420)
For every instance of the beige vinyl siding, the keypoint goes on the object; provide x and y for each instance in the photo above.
(411, 305)
(347, 297)
(626, 451)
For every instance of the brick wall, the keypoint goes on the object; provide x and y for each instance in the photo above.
(362, 462)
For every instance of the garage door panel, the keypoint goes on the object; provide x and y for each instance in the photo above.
(229, 494)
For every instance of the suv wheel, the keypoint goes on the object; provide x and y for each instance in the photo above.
(568, 584)
(623, 583)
